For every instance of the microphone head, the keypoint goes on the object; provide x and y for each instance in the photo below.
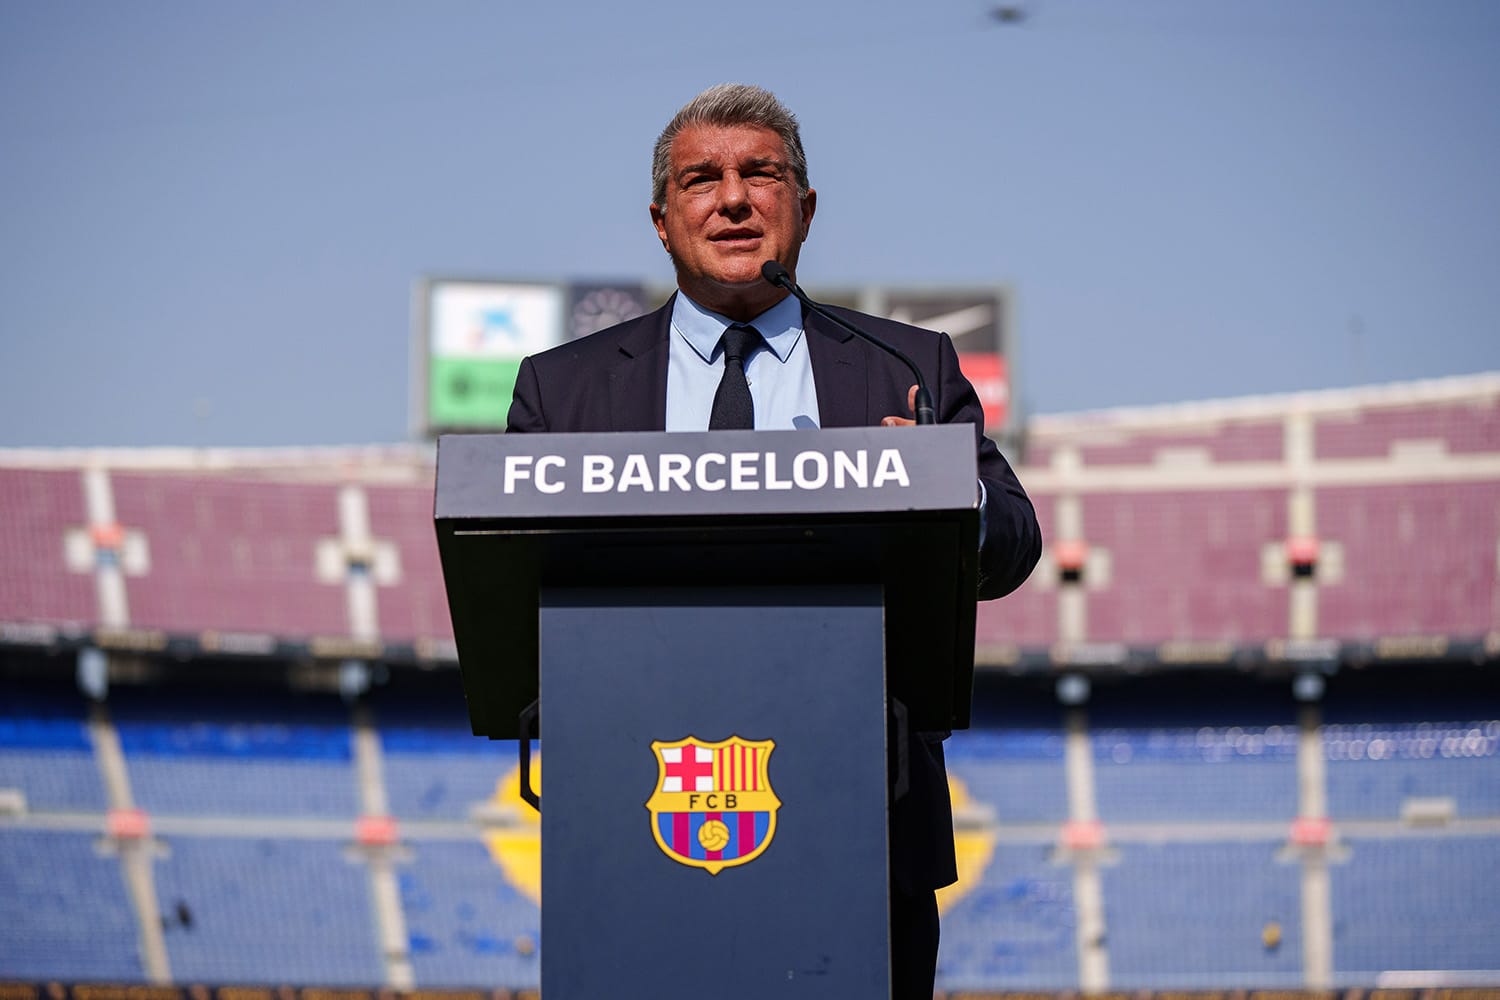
(773, 272)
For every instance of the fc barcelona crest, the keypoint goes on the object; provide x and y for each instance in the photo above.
(713, 807)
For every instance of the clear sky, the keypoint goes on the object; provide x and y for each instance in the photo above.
(212, 214)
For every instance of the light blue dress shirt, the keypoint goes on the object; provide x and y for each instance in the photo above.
(780, 373)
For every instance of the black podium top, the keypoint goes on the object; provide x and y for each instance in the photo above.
(517, 513)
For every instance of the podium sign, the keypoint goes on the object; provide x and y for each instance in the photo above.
(716, 627)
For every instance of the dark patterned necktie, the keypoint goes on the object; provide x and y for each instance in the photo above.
(733, 408)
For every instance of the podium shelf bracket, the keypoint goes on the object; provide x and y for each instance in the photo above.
(527, 728)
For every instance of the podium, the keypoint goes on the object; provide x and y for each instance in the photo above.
(725, 639)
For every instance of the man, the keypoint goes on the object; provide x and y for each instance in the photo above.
(729, 193)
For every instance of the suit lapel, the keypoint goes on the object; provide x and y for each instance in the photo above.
(840, 373)
(638, 378)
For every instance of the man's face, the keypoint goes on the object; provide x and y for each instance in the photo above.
(731, 205)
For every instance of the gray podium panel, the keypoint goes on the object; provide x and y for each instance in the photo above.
(700, 702)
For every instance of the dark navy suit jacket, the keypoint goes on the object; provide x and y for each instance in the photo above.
(616, 380)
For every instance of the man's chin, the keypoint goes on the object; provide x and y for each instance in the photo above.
(741, 269)
(735, 279)
(731, 292)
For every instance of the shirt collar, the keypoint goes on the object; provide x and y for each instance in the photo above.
(780, 325)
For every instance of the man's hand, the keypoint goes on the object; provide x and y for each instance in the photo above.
(911, 406)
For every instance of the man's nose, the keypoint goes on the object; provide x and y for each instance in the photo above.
(733, 194)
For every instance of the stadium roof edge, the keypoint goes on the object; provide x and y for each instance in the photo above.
(1455, 388)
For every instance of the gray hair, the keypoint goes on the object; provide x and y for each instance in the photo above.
(730, 104)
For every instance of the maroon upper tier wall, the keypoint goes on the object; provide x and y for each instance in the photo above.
(1346, 515)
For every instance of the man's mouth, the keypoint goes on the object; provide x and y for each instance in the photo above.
(735, 236)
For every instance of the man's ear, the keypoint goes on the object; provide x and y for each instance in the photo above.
(809, 206)
(659, 220)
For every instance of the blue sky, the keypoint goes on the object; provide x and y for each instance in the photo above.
(212, 214)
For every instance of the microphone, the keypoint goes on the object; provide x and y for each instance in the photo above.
(777, 275)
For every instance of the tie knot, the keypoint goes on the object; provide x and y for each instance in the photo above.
(739, 340)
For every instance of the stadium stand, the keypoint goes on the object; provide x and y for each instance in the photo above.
(1019, 771)
(467, 924)
(1416, 904)
(36, 583)
(1194, 916)
(1012, 758)
(1245, 441)
(1195, 523)
(1164, 543)
(1239, 730)
(64, 909)
(1153, 775)
(1430, 755)
(1027, 619)
(1179, 753)
(45, 751)
(435, 768)
(1016, 927)
(1380, 772)
(266, 910)
(230, 553)
(231, 753)
(404, 517)
(1414, 557)
(1468, 426)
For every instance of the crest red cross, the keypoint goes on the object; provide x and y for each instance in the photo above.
(690, 768)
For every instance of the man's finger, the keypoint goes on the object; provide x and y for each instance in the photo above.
(911, 406)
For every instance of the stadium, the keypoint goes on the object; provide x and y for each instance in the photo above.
(1240, 731)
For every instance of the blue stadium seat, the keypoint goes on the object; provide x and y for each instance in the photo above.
(268, 911)
(1374, 768)
(467, 926)
(45, 749)
(1015, 929)
(435, 767)
(1016, 772)
(64, 910)
(1185, 751)
(236, 754)
(1416, 903)
(1204, 774)
(1191, 915)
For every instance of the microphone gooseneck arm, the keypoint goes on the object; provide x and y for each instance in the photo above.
(777, 275)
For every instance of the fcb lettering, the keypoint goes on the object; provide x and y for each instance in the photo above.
(713, 807)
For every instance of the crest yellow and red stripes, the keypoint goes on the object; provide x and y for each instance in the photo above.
(737, 768)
